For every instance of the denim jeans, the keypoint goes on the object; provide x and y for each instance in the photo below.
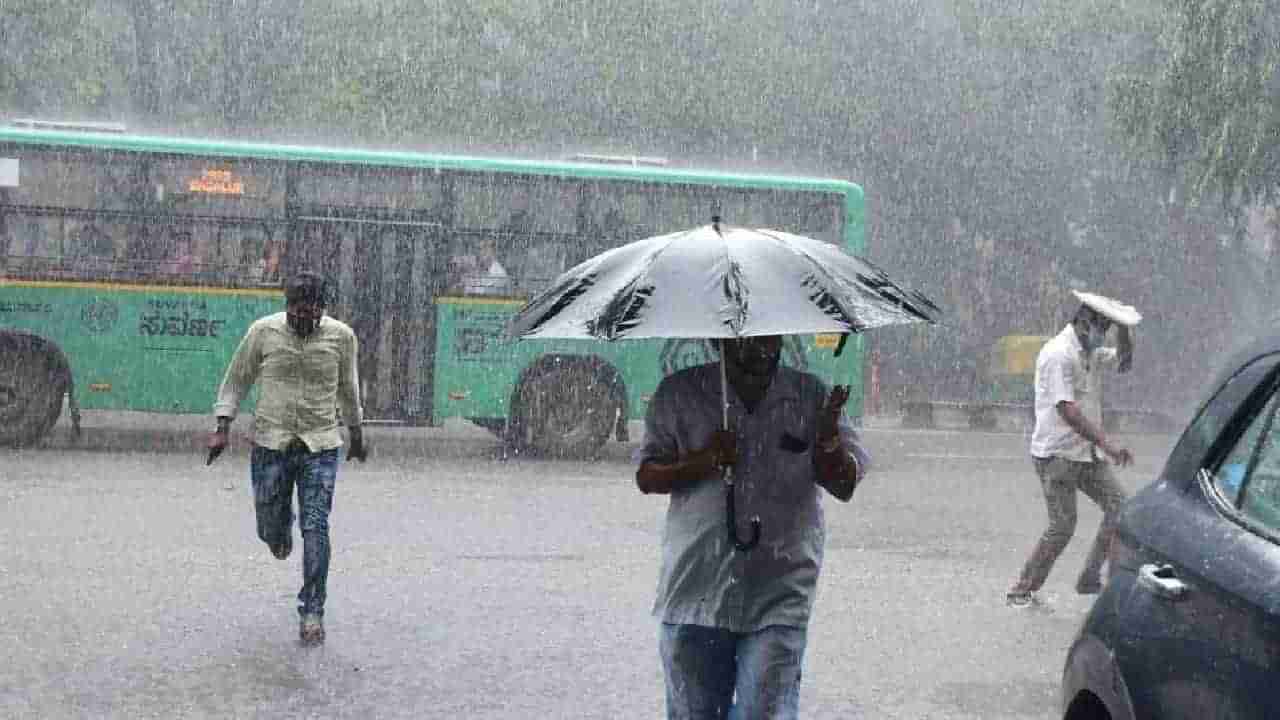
(714, 673)
(275, 473)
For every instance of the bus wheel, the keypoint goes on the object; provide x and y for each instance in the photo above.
(570, 410)
(33, 380)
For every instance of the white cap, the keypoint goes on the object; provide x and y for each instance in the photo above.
(1117, 311)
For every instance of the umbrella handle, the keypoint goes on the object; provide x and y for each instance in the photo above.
(730, 510)
(732, 520)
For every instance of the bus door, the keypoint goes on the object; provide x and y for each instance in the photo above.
(387, 275)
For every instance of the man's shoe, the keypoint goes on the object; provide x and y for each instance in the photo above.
(1088, 586)
(281, 550)
(311, 629)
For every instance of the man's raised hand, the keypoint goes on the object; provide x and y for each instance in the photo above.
(829, 417)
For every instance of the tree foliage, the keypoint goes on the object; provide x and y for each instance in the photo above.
(1210, 110)
(980, 128)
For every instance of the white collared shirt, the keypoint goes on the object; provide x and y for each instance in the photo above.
(1064, 372)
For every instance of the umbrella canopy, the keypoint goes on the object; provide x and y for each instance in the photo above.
(718, 281)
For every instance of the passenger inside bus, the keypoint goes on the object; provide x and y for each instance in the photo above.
(143, 253)
(519, 222)
(92, 251)
(480, 272)
(182, 259)
(266, 269)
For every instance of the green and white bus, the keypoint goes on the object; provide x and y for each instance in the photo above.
(130, 267)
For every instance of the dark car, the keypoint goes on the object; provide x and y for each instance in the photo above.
(1188, 625)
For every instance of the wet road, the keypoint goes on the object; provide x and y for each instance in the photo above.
(132, 584)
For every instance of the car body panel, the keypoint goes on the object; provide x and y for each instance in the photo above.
(1092, 668)
(1188, 625)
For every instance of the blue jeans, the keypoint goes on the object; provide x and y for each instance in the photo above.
(274, 474)
(714, 673)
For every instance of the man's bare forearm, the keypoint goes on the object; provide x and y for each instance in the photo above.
(659, 478)
(1074, 417)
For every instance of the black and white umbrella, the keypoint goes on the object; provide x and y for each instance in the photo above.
(717, 281)
(720, 282)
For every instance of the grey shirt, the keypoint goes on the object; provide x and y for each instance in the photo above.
(704, 580)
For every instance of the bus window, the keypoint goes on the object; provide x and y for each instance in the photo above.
(319, 249)
(33, 244)
(180, 253)
(480, 271)
(251, 252)
(509, 233)
(73, 179)
(627, 215)
(89, 248)
(686, 207)
(386, 189)
(539, 265)
(516, 205)
(537, 252)
(605, 220)
(556, 203)
(736, 208)
(814, 215)
(144, 250)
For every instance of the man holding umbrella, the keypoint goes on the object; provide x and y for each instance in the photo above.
(734, 614)
(742, 431)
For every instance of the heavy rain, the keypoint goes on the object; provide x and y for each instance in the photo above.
(327, 391)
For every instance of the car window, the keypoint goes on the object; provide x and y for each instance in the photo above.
(1193, 448)
(1249, 475)
(1260, 494)
(1230, 475)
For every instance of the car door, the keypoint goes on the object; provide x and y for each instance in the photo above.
(1203, 608)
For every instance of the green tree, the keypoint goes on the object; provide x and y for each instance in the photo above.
(1210, 110)
(1206, 114)
(57, 58)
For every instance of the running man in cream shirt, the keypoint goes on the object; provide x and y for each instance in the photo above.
(304, 364)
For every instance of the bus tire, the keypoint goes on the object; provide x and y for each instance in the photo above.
(569, 408)
(34, 377)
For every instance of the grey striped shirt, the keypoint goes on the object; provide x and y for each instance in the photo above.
(704, 580)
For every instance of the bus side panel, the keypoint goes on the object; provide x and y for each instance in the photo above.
(477, 367)
(844, 370)
(138, 348)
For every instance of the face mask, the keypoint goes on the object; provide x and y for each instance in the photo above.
(303, 326)
(1093, 337)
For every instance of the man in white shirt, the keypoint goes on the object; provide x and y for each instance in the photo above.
(1069, 448)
